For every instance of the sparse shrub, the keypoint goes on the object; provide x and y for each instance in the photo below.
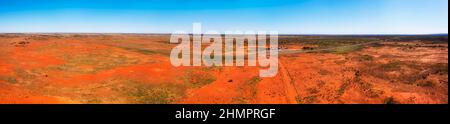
(254, 80)
(342, 88)
(97, 61)
(364, 58)
(248, 86)
(347, 49)
(426, 83)
(11, 80)
(312, 90)
(376, 44)
(199, 78)
(389, 100)
(308, 48)
(298, 99)
(391, 66)
(417, 73)
(324, 72)
(40, 38)
(146, 51)
(153, 94)
(343, 49)
(309, 99)
(440, 68)
(340, 62)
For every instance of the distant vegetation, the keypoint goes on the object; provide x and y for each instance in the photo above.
(350, 43)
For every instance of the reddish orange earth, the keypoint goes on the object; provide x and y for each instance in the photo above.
(132, 68)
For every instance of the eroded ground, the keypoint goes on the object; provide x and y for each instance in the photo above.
(133, 68)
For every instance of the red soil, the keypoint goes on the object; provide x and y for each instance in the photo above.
(66, 69)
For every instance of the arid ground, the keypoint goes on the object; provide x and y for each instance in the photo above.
(135, 68)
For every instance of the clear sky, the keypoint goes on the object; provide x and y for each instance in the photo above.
(284, 16)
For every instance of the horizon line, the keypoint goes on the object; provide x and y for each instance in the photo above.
(331, 34)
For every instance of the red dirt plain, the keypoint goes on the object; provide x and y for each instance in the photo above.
(135, 68)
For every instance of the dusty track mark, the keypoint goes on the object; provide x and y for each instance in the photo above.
(291, 92)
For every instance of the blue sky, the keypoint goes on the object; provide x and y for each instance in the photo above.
(284, 16)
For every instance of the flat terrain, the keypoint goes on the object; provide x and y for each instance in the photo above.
(135, 68)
